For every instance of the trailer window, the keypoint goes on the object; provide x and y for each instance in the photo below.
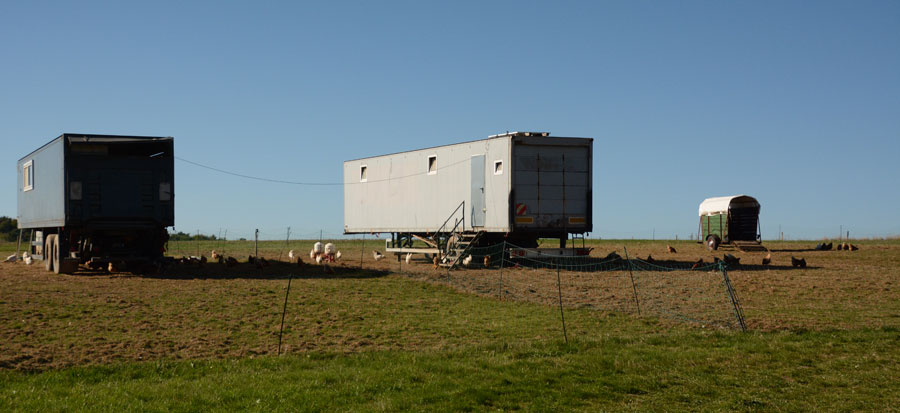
(432, 164)
(363, 173)
(28, 176)
(498, 167)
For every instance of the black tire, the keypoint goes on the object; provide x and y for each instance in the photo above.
(712, 242)
(48, 252)
(55, 256)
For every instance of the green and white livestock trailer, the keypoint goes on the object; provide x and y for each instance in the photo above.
(732, 220)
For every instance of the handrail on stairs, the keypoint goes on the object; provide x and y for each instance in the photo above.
(455, 226)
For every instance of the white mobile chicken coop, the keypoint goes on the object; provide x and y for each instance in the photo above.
(518, 187)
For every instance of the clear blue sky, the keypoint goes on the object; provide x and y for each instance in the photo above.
(796, 103)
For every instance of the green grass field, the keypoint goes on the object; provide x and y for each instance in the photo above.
(377, 338)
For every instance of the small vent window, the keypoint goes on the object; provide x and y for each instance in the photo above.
(363, 173)
(432, 164)
(28, 176)
(498, 167)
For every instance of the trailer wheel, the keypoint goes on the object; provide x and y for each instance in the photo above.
(712, 242)
(56, 258)
(48, 252)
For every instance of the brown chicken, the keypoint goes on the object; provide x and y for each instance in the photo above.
(670, 249)
(767, 259)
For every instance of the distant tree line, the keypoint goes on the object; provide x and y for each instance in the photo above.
(9, 230)
(181, 236)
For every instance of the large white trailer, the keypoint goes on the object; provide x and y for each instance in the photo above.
(517, 186)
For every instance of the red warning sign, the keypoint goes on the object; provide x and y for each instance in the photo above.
(520, 209)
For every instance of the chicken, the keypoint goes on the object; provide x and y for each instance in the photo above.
(221, 259)
(319, 259)
(466, 261)
(231, 262)
(377, 255)
(27, 258)
(853, 247)
(612, 256)
(799, 263)
(670, 250)
(697, 264)
(487, 261)
(731, 260)
(650, 258)
(436, 261)
(299, 262)
(337, 255)
(215, 255)
(202, 260)
(767, 259)
(829, 246)
(291, 255)
(11, 258)
(112, 267)
(408, 257)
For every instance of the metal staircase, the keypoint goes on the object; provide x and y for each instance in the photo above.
(458, 247)
(454, 242)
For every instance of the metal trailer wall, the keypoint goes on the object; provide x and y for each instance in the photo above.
(542, 182)
(113, 184)
(44, 205)
(399, 194)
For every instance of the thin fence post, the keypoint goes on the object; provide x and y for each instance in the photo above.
(198, 243)
(19, 243)
(502, 259)
(633, 286)
(224, 241)
(362, 251)
(561, 315)
(284, 311)
(738, 311)
(287, 243)
(256, 243)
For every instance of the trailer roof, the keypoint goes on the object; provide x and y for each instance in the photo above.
(721, 204)
(507, 135)
(86, 137)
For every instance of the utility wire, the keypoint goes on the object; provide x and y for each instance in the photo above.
(282, 181)
(277, 181)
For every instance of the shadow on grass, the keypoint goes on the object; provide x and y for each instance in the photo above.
(274, 271)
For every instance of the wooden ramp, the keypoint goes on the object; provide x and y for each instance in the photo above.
(749, 246)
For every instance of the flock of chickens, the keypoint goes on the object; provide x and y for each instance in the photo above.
(325, 254)
(322, 254)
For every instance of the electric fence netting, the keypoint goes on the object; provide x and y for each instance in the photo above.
(699, 294)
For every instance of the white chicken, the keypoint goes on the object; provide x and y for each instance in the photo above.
(291, 255)
(337, 256)
(27, 258)
(377, 255)
(408, 257)
(318, 259)
(11, 258)
(467, 261)
(329, 249)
